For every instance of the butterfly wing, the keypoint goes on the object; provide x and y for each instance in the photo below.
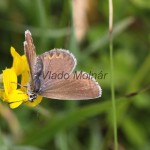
(55, 62)
(72, 88)
(29, 50)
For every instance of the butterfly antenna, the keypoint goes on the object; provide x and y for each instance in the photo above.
(23, 86)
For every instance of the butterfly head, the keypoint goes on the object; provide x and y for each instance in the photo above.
(32, 96)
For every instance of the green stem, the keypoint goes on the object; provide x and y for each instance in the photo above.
(113, 95)
(1, 78)
(112, 74)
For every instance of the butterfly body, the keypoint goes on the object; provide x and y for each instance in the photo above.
(35, 83)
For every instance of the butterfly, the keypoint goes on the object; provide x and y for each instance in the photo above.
(57, 62)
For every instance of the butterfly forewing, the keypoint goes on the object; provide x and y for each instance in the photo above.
(29, 50)
(72, 88)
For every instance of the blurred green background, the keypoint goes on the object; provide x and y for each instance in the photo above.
(81, 125)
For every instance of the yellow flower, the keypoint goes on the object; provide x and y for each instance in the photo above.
(11, 94)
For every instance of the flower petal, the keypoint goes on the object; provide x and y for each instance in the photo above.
(25, 63)
(24, 80)
(35, 102)
(15, 104)
(16, 96)
(17, 61)
(9, 80)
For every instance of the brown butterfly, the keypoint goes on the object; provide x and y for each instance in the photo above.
(46, 70)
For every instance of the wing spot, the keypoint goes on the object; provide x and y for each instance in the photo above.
(53, 55)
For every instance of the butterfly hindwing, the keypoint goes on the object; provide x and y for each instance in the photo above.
(72, 88)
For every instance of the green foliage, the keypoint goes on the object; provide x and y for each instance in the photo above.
(81, 125)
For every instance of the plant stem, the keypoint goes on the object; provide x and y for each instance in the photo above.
(112, 74)
(1, 78)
